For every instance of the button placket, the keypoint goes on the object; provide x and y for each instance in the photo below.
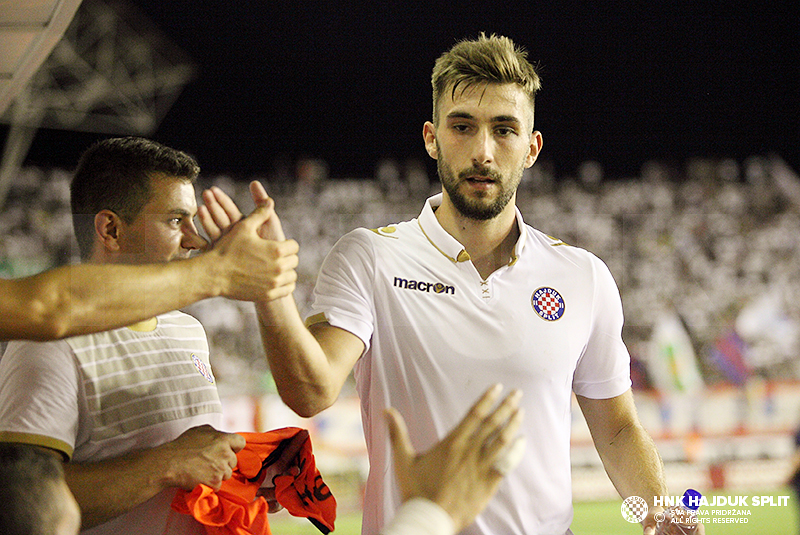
(486, 292)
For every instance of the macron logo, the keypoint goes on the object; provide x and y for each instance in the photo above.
(422, 286)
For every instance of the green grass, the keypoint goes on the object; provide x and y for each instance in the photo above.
(604, 518)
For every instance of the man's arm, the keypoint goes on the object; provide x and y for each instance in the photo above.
(107, 489)
(628, 453)
(87, 298)
(309, 365)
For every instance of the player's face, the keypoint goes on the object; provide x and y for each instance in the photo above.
(164, 230)
(482, 144)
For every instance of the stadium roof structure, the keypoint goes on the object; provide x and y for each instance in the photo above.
(29, 30)
(82, 65)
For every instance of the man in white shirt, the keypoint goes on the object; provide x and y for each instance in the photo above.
(428, 312)
(133, 410)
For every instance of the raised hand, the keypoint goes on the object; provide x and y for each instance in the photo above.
(462, 472)
(217, 213)
(272, 230)
(253, 266)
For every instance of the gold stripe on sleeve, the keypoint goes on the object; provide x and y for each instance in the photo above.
(38, 440)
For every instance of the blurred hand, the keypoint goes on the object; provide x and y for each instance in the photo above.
(286, 464)
(201, 455)
(671, 521)
(459, 473)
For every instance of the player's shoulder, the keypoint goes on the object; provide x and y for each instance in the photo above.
(30, 353)
(177, 317)
(391, 235)
(557, 247)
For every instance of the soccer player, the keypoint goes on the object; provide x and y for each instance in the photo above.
(428, 312)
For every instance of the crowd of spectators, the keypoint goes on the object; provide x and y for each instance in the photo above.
(715, 242)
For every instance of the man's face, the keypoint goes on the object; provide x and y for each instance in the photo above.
(164, 229)
(482, 144)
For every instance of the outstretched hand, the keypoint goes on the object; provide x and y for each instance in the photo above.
(271, 229)
(218, 213)
(257, 262)
(462, 472)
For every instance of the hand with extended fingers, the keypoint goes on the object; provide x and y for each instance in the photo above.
(258, 261)
(462, 472)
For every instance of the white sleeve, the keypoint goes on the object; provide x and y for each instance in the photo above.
(344, 289)
(419, 516)
(39, 395)
(604, 371)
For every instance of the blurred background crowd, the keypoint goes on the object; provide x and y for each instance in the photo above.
(704, 253)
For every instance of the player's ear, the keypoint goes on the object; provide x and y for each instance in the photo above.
(429, 136)
(107, 226)
(535, 148)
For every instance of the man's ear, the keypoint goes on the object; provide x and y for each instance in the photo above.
(107, 226)
(535, 148)
(429, 136)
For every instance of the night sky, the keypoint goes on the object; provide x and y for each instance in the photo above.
(349, 82)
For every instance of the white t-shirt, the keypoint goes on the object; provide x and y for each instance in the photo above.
(100, 396)
(437, 336)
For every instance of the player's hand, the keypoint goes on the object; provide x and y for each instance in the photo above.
(251, 268)
(201, 455)
(218, 213)
(272, 229)
(462, 472)
(286, 464)
(660, 521)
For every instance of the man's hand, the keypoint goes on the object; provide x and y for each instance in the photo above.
(462, 472)
(272, 229)
(219, 213)
(201, 455)
(659, 521)
(253, 268)
(286, 464)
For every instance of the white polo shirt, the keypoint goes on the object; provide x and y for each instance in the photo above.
(101, 396)
(437, 335)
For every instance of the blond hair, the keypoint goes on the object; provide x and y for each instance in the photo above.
(494, 59)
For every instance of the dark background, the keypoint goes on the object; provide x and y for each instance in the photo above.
(349, 82)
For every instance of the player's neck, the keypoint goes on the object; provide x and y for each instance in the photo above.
(489, 243)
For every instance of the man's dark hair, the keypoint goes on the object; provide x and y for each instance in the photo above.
(29, 490)
(114, 174)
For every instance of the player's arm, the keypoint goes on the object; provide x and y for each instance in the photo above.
(87, 298)
(309, 365)
(628, 452)
(107, 489)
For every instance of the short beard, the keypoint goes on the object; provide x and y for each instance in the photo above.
(474, 209)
